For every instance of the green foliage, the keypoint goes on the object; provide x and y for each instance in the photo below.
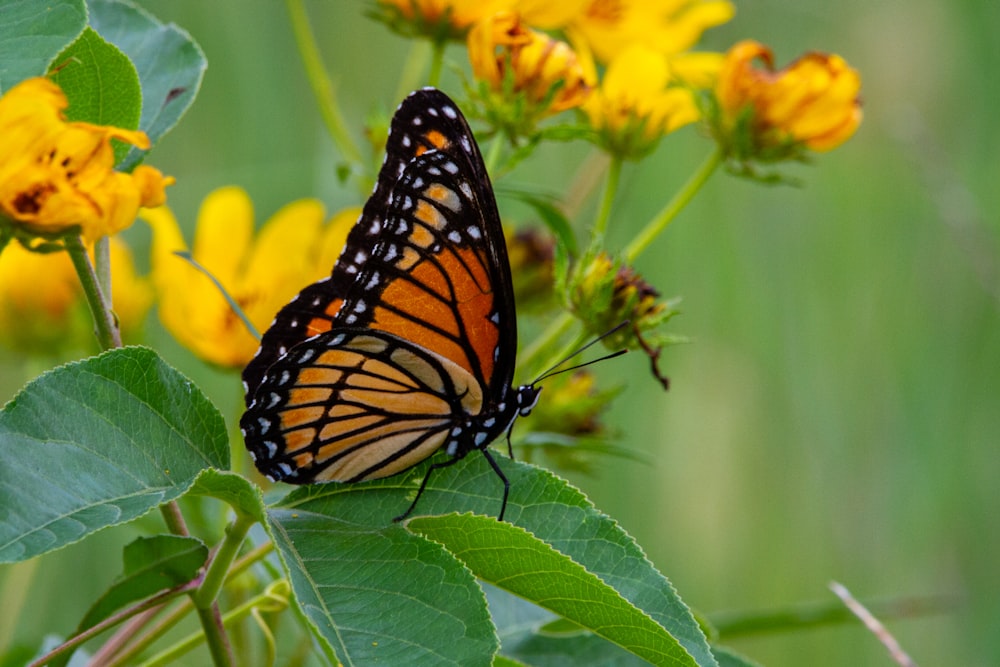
(330, 535)
(100, 83)
(30, 39)
(170, 64)
(97, 443)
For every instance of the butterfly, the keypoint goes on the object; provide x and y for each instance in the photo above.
(409, 345)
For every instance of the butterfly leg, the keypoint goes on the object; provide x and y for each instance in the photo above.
(423, 485)
(450, 462)
(503, 477)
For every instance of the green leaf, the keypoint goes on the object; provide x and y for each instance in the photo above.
(235, 490)
(169, 62)
(540, 502)
(30, 36)
(98, 443)
(101, 84)
(511, 558)
(536, 637)
(380, 594)
(152, 564)
(554, 219)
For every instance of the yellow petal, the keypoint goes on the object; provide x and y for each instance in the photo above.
(222, 237)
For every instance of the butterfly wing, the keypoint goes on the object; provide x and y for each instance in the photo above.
(348, 405)
(427, 120)
(425, 275)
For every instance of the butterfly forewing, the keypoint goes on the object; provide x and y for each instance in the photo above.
(427, 120)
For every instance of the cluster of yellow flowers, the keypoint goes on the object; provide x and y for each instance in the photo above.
(628, 66)
(631, 68)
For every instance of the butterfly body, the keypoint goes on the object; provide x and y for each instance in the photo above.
(409, 345)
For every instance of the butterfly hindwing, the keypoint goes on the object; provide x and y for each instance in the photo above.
(426, 121)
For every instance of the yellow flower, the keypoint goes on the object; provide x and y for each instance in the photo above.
(507, 55)
(294, 248)
(814, 102)
(55, 174)
(668, 26)
(42, 308)
(438, 19)
(638, 102)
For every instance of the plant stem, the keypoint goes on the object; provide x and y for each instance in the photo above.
(274, 598)
(110, 622)
(174, 519)
(493, 153)
(215, 576)
(437, 60)
(413, 68)
(106, 329)
(184, 608)
(102, 266)
(319, 80)
(662, 219)
(214, 633)
(604, 212)
(531, 358)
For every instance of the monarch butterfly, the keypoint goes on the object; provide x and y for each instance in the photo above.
(409, 345)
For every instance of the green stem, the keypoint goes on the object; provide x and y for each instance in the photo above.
(174, 519)
(319, 80)
(102, 266)
(531, 358)
(184, 608)
(604, 212)
(109, 622)
(215, 576)
(493, 153)
(106, 329)
(662, 219)
(437, 60)
(274, 598)
(413, 68)
(214, 632)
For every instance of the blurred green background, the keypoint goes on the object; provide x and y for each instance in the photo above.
(835, 416)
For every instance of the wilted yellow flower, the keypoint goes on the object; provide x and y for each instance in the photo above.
(814, 102)
(438, 19)
(638, 102)
(55, 174)
(605, 294)
(293, 249)
(668, 26)
(42, 308)
(545, 71)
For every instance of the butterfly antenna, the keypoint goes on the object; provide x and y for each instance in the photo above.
(555, 370)
(185, 255)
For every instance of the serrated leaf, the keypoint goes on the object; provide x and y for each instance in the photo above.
(541, 503)
(232, 489)
(381, 595)
(151, 564)
(526, 635)
(169, 63)
(513, 559)
(101, 84)
(97, 443)
(30, 38)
